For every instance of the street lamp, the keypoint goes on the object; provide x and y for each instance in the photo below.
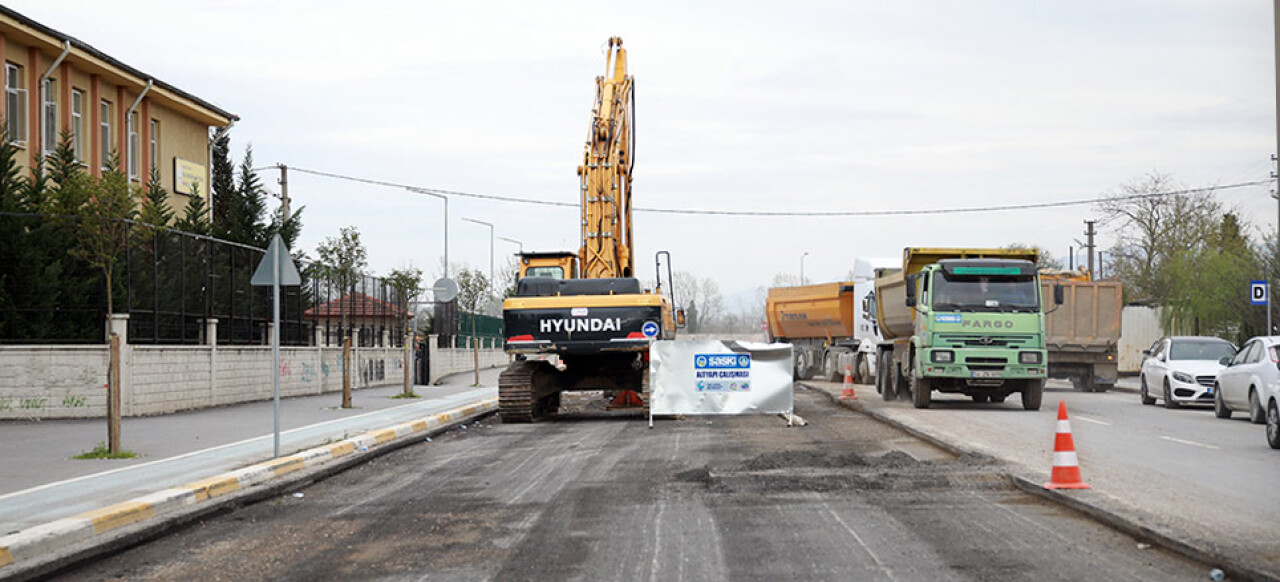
(806, 253)
(490, 246)
(446, 222)
(512, 240)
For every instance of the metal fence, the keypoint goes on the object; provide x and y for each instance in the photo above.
(171, 284)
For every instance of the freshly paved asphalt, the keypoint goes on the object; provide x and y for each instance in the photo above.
(1182, 473)
(187, 446)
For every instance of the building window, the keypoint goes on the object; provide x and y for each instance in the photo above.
(49, 119)
(15, 97)
(104, 133)
(77, 123)
(134, 165)
(155, 144)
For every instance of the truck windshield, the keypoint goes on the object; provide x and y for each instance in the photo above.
(985, 293)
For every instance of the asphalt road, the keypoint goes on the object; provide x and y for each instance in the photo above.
(595, 497)
(1204, 479)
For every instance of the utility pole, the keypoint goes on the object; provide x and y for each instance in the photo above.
(284, 191)
(1089, 232)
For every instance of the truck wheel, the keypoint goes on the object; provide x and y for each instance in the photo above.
(981, 398)
(921, 391)
(1032, 394)
(829, 371)
(886, 385)
(864, 370)
(998, 398)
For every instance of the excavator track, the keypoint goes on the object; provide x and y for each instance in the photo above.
(519, 395)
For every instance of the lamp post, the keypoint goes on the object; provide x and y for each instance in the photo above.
(446, 223)
(512, 240)
(806, 253)
(490, 246)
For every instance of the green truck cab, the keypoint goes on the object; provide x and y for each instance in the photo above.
(962, 321)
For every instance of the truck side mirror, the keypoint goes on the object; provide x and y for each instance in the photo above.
(1146, 352)
(679, 318)
(1059, 294)
(911, 291)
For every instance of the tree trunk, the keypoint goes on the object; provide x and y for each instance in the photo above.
(475, 349)
(113, 397)
(346, 372)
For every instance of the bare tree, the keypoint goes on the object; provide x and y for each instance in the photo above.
(1044, 258)
(1153, 218)
(473, 294)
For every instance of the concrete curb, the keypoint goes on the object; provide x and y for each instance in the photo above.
(1192, 549)
(47, 548)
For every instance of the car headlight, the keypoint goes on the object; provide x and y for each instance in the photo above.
(1184, 377)
(1028, 357)
(942, 356)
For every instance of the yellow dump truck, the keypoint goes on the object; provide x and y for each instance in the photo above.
(1083, 334)
(965, 321)
(829, 326)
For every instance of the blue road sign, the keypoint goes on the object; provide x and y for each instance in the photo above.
(649, 329)
(1259, 293)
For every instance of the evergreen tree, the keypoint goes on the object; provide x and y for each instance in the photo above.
(196, 219)
(224, 186)
(155, 202)
(12, 184)
(63, 164)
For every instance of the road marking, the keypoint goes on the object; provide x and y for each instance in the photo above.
(1087, 419)
(1192, 443)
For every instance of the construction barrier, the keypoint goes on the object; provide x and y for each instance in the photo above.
(719, 377)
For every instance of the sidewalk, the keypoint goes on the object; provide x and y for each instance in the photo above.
(188, 446)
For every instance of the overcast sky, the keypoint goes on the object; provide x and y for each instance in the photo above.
(778, 106)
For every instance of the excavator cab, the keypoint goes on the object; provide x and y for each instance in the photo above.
(555, 265)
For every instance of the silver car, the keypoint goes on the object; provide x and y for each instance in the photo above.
(1182, 369)
(1248, 383)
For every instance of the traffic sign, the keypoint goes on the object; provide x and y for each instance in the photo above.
(445, 289)
(288, 272)
(1259, 293)
(649, 329)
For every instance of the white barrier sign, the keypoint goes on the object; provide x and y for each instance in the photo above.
(719, 377)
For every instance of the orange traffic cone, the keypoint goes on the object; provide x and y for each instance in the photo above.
(847, 393)
(1066, 468)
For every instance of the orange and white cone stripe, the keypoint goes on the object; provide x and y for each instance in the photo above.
(1066, 467)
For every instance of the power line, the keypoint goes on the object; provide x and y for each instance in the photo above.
(829, 213)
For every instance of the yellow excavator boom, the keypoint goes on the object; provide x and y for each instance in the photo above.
(605, 173)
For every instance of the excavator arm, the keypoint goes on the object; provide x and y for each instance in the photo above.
(605, 173)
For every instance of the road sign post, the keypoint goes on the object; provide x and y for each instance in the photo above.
(1260, 294)
(276, 269)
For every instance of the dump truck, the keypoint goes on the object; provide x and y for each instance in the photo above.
(829, 326)
(1083, 334)
(962, 321)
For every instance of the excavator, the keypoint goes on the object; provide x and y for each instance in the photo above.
(589, 309)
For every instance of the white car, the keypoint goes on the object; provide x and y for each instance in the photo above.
(1182, 369)
(1250, 383)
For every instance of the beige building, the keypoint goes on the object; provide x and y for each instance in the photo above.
(54, 81)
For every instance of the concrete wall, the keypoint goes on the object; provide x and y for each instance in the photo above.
(449, 361)
(49, 382)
